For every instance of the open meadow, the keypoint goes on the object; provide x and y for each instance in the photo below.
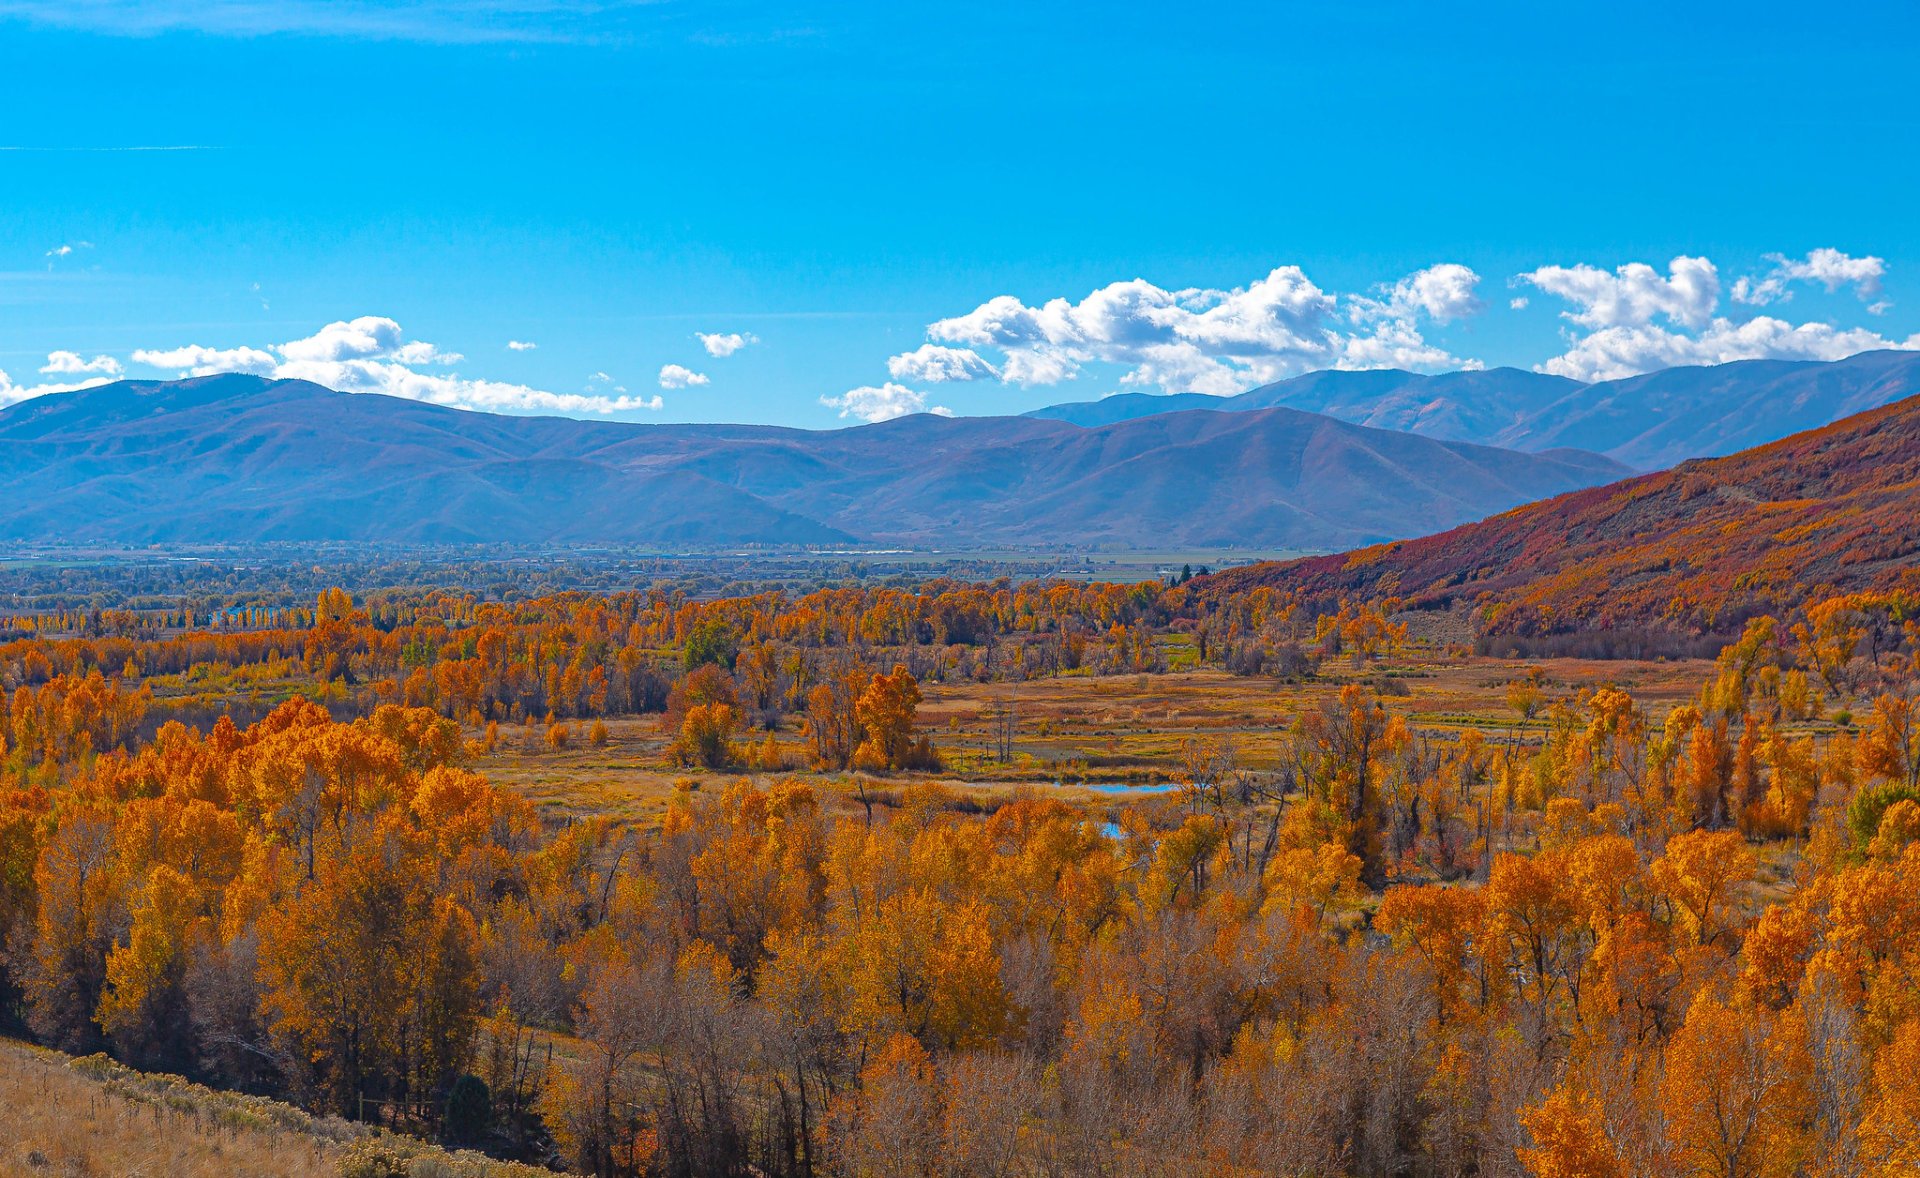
(1087, 739)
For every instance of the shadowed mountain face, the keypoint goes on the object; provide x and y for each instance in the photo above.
(1647, 422)
(236, 459)
(1698, 548)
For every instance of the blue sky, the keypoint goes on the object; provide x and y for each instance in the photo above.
(387, 196)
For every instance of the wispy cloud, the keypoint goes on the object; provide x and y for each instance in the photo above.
(66, 250)
(22, 147)
(443, 21)
(1830, 268)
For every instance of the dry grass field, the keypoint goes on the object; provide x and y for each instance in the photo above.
(1084, 737)
(91, 1118)
(59, 1117)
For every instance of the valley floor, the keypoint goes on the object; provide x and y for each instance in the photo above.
(1083, 738)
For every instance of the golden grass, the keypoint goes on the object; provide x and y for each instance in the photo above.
(1078, 736)
(56, 1120)
(62, 1117)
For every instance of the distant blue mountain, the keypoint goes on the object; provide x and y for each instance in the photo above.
(235, 459)
(1646, 422)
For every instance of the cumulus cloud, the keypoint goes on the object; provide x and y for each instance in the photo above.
(882, 403)
(1621, 308)
(1829, 267)
(371, 354)
(1442, 293)
(934, 364)
(673, 376)
(195, 360)
(71, 364)
(369, 337)
(520, 345)
(1634, 294)
(725, 343)
(1208, 340)
(1518, 303)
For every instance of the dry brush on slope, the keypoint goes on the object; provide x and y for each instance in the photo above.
(1694, 550)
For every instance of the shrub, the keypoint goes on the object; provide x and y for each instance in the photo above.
(469, 1109)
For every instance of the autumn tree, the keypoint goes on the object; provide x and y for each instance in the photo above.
(372, 977)
(885, 714)
(1736, 1091)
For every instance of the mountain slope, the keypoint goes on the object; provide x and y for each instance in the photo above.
(1647, 422)
(1695, 549)
(238, 459)
(1449, 406)
(1651, 422)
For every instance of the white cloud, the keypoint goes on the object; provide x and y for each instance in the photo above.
(66, 249)
(1621, 308)
(1215, 341)
(935, 364)
(519, 345)
(370, 337)
(396, 380)
(1829, 267)
(195, 360)
(453, 22)
(70, 364)
(1634, 294)
(11, 393)
(882, 403)
(1615, 352)
(1396, 343)
(673, 376)
(727, 343)
(1518, 303)
(1443, 293)
(371, 354)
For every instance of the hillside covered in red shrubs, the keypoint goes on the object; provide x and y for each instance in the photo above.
(1695, 550)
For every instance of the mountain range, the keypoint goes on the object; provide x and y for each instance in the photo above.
(1307, 465)
(239, 459)
(1646, 422)
(1693, 550)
